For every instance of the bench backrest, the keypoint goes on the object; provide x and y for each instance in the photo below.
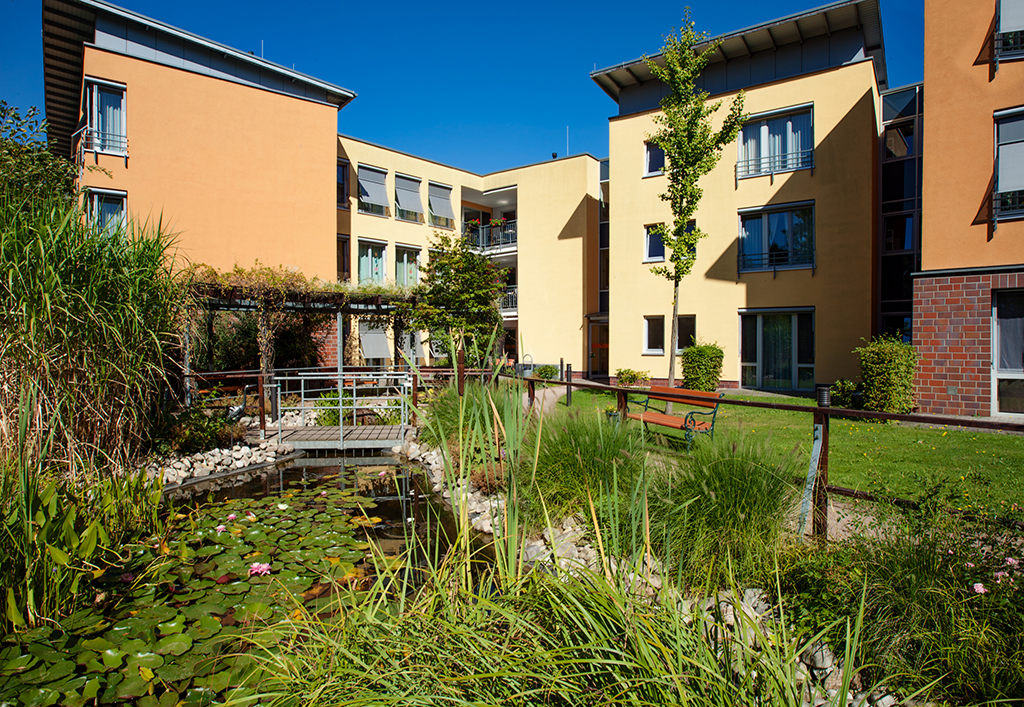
(658, 392)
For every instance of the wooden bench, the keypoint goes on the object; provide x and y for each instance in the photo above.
(689, 424)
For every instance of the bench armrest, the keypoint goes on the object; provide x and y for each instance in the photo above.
(691, 421)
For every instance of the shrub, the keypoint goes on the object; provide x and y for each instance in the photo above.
(842, 393)
(327, 409)
(887, 367)
(702, 366)
(728, 503)
(547, 371)
(627, 376)
(943, 604)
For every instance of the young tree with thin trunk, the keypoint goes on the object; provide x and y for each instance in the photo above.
(692, 149)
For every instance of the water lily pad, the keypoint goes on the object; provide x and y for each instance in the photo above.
(96, 644)
(198, 697)
(44, 652)
(198, 611)
(20, 664)
(84, 621)
(177, 625)
(234, 588)
(204, 628)
(181, 669)
(175, 644)
(144, 659)
(112, 657)
(39, 697)
(86, 656)
(132, 686)
(254, 611)
(217, 682)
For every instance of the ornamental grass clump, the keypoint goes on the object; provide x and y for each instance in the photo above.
(579, 451)
(727, 504)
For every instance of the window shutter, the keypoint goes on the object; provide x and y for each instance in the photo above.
(372, 189)
(440, 200)
(1011, 15)
(407, 193)
(1011, 154)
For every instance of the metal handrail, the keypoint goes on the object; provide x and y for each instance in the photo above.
(772, 164)
(396, 385)
(488, 237)
(510, 298)
(779, 259)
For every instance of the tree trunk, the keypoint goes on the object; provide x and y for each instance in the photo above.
(672, 343)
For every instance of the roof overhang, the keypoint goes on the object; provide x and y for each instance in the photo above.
(864, 15)
(69, 25)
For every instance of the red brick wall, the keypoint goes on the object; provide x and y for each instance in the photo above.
(329, 349)
(952, 333)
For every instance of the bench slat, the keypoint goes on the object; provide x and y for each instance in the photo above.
(658, 392)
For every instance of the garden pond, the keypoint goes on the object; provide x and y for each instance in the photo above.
(177, 620)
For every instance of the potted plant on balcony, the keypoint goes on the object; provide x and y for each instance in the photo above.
(496, 222)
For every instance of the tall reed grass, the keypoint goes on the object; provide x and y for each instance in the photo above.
(89, 317)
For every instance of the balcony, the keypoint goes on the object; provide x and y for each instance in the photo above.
(775, 260)
(1009, 204)
(492, 238)
(90, 140)
(773, 164)
(509, 299)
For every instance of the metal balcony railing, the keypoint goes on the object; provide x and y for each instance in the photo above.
(786, 162)
(1008, 204)
(96, 141)
(510, 299)
(491, 237)
(775, 259)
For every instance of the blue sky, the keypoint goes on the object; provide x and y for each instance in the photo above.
(483, 86)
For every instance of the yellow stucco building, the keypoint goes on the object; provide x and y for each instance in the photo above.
(784, 280)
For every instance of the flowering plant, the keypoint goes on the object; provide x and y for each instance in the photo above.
(498, 221)
(473, 223)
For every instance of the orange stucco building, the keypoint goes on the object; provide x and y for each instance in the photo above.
(969, 292)
(234, 154)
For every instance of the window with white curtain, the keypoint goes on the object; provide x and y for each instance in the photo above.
(777, 350)
(407, 271)
(777, 143)
(106, 209)
(371, 261)
(1009, 199)
(777, 238)
(106, 118)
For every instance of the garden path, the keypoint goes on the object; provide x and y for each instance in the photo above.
(545, 398)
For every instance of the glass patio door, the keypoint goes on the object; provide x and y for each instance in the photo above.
(777, 369)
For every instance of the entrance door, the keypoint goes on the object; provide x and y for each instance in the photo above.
(598, 351)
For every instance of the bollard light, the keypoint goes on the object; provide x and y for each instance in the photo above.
(824, 394)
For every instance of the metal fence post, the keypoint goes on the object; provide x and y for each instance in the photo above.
(415, 398)
(568, 385)
(531, 392)
(820, 519)
(263, 407)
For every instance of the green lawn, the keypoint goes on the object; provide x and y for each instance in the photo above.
(967, 468)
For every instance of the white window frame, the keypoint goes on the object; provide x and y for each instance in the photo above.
(764, 213)
(996, 373)
(91, 88)
(346, 198)
(401, 250)
(648, 144)
(94, 197)
(796, 366)
(680, 317)
(648, 321)
(648, 258)
(369, 242)
(1015, 209)
(765, 163)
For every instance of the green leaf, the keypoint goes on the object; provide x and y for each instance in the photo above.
(13, 614)
(175, 644)
(112, 657)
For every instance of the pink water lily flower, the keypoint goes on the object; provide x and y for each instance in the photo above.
(979, 588)
(231, 516)
(323, 493)
(258, 569)
(221, 528)
(1012, 562)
